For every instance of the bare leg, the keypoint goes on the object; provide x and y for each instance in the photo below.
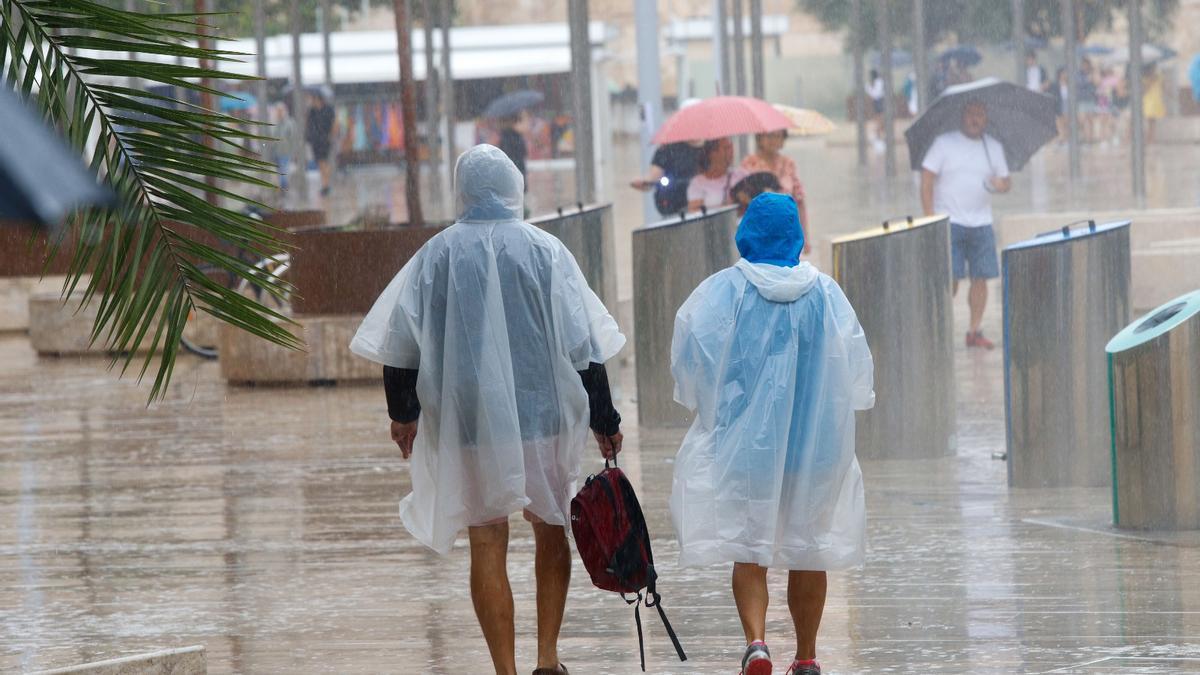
(806, 600)
(492, 595)
(553, 570)
(326, 169)
(751, 597)
(977, 299)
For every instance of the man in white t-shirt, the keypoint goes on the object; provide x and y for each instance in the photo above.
(959, 174)
(1035, 74)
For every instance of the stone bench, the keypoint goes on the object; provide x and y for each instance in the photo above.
(14, 298)
(249, 360)
(182, 661)
(1164, 243)
(58, 328)
(1177, 130)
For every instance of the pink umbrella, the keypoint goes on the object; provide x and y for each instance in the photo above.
(721, 117)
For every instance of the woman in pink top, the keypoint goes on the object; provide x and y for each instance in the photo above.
(767, 157)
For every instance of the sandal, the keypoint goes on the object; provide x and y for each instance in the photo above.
(560, 670)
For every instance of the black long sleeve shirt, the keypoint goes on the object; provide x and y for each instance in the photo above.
(400, 387)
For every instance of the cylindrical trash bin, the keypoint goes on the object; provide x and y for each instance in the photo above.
(587, 232)
(897, 278)
(1154, 379)
(670, 259)
(1065, 294)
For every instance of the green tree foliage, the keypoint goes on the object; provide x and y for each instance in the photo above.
(144, 262)
(984, 21)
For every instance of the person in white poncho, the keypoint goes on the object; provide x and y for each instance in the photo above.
(493, 349)
(772, 359)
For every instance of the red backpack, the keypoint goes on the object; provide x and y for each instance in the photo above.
(611, 535)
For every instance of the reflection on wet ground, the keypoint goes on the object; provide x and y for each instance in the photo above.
(262, 524)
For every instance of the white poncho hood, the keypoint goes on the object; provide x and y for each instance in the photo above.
(497, 318)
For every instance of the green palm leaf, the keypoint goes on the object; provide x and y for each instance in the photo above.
(144, 263)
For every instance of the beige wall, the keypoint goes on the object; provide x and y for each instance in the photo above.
(806, 36)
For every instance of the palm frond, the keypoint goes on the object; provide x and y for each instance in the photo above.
(144, 263)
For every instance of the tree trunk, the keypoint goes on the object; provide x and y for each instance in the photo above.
(408, 106)
(206, 99)
(299, 110)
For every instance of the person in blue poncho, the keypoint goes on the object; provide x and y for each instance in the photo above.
(773, 361)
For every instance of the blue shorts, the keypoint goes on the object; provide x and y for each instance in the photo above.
(973, 252)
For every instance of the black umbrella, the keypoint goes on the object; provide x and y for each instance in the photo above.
(41, 180)
(513, 103)
(1021, 120)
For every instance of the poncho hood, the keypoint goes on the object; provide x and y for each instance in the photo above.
(770, 231)
(487, 186)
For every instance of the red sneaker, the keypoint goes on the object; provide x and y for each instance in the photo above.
(977, 339)
(757, 660)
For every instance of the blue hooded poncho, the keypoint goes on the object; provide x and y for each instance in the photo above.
(772, 359)
(770, 231)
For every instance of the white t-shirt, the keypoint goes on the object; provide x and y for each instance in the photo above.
(963, 167)
(714, 192)
(1033, 78)
(875, 89)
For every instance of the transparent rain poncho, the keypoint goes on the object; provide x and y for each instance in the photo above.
(497, 318)
(771, 357)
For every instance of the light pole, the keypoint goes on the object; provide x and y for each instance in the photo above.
(1138, 114)
(883, 14)
(758, 83)
(860, 99)
(408, 106)
(1068, 22)
(920, 56)
(649, 87)
(581, 90)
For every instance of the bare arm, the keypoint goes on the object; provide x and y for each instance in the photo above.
(646, 182)
(927, 179)
(1001, 185)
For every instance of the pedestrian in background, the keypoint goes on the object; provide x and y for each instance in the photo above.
(771, 357)
(1035, 75)
(318, 131)
(959, 174)
(875, 91)
(711, 187)
(283, 129)
(671, 171)
(1154, 106)
(768, 156)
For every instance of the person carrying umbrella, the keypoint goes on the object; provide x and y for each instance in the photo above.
(510, 114)
(959, 174)
(713, 121)
(767, 157)
(712, 187)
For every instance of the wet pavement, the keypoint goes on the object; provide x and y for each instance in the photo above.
(262, 524)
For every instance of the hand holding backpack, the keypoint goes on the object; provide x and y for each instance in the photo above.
(611, 535)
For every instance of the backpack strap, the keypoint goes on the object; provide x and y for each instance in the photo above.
(653, 599)
(637, 618)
